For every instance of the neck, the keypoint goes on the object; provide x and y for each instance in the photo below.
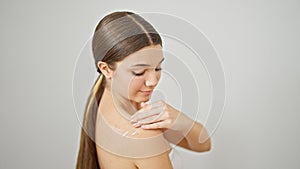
(121, 105)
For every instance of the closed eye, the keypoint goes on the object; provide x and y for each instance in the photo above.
(158, 69)
(138, 74)
(142, 73)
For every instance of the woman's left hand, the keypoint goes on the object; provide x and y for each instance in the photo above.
(159, 115)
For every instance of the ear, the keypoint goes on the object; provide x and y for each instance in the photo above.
(105, 70)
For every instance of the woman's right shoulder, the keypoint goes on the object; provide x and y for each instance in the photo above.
(160, 160)
(142, 133)
(118, 122)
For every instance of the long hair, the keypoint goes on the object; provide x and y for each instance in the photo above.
(104, 36)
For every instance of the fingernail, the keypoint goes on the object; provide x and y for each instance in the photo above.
(135, 124)
(133, 121)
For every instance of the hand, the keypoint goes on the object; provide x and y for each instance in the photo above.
(159, 115)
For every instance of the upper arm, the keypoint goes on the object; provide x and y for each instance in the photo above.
(176, 138)
(193, 143)
(157, 161)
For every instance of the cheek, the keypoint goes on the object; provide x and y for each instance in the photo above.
(158, 75)
(121, 85)
(135, 85)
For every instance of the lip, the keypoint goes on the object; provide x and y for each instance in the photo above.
(147, 92)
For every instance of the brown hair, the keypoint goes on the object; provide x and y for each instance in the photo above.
(87, 154)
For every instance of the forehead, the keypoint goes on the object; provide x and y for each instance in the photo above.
(150, 55)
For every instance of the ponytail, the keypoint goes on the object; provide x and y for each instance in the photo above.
(87, 155)
(105, 35)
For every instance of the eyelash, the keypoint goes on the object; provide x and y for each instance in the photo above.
(140, 74)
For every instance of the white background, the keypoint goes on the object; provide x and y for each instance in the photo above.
(258, 45)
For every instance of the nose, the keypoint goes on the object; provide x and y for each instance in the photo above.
(152, 79)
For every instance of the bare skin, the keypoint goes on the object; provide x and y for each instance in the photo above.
(172, 124)
(109, 160)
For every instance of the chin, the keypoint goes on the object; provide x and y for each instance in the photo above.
(140, 99)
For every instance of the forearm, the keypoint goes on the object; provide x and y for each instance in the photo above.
(195, 135)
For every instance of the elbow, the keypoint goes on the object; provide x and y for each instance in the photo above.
(208, 147)
(204, 147)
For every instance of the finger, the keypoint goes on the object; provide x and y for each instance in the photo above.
(143, 104)
(154, 118)
(150, 106)
(158, 125)
(159, 103)
(147, 108)
(142, 115)
(149, 120)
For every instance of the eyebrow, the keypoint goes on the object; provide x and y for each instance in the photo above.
(146, 64)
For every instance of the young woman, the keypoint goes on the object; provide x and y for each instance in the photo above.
(121, 131)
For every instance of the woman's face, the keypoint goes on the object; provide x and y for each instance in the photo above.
(138, 74)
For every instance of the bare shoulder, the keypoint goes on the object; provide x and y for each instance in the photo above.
(142, 133)
(155, 160)
(114, 120)
(132, 147)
